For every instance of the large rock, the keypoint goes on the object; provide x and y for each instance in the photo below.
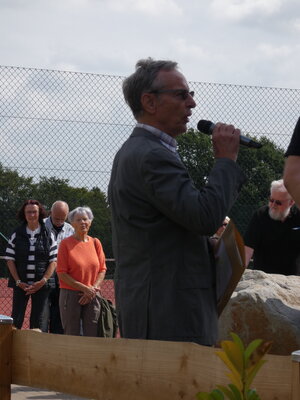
(265, 306)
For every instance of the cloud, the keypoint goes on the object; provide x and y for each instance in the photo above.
(296, 24)
(275, 52)
(240, 9)
(147, 7)
(187, 49)
(218, 41)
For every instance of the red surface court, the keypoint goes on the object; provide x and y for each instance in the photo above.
(6, 298)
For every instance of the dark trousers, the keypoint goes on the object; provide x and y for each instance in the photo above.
(38, 300)
(51, 317)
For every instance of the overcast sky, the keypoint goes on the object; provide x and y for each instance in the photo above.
(247, 42)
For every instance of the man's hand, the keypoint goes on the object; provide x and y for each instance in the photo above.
(226, 141)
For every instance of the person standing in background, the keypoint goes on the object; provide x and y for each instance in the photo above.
(31, 260)
(273, 234)
(56, 223)
(81, 269)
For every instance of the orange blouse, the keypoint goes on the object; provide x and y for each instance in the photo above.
(83, 261)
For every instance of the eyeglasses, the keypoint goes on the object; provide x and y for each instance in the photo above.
(277, 202)
(183, 94)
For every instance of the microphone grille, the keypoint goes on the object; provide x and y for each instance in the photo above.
(205, 126)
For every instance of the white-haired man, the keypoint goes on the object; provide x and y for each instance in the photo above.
(56, 222)
(273, 235)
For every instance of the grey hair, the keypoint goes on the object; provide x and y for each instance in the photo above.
(143, 80)
(60, 203)
(278, 186)
(80, 210)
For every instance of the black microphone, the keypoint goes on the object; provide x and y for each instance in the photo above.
(207, 127)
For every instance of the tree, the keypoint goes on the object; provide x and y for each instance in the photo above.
(48, 190)
(260, 166)
(195, 150)
(12, 188)
(15, 189)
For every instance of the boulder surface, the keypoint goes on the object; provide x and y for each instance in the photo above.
(264, 306)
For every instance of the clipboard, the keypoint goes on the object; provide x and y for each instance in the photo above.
(230, 264)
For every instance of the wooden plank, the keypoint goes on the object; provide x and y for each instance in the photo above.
(5, 356)
(296, 375)
(110, 369)
(273, 381)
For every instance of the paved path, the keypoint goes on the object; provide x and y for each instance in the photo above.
(27, 393)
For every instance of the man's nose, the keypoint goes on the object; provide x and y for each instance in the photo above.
(191, 102)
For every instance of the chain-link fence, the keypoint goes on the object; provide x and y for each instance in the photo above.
(107, 290)
(69, 126)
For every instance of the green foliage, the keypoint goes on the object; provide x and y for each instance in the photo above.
(243, 364)
(261, 167)
(15, 189)
(195, 150)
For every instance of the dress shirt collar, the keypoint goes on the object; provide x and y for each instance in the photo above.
(165, 139)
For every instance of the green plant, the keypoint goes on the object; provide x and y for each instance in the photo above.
(243, 363)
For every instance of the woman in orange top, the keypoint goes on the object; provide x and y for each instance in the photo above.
(81, 269)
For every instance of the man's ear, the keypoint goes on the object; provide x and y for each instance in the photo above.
(149, 103)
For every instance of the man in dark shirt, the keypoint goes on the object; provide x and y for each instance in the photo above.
(292, 165)
(273, 235)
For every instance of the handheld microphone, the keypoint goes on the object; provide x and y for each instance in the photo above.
(207, 127)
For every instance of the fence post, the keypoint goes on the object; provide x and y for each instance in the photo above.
(296, 375)
(5, 356)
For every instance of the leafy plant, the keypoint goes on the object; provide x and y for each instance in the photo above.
(260, 166)
(243, 364)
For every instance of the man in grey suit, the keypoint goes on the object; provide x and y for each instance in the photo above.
(165, 272)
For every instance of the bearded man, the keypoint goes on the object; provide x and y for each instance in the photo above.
(273, 235)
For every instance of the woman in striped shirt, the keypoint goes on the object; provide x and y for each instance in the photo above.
(31, 259)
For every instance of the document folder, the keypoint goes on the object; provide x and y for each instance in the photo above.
(230, 264)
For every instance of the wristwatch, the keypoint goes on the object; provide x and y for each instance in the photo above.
(18, 282)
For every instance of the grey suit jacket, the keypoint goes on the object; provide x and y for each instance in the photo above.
(165, 273)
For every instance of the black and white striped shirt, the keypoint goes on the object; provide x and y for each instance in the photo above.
(32, 236)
